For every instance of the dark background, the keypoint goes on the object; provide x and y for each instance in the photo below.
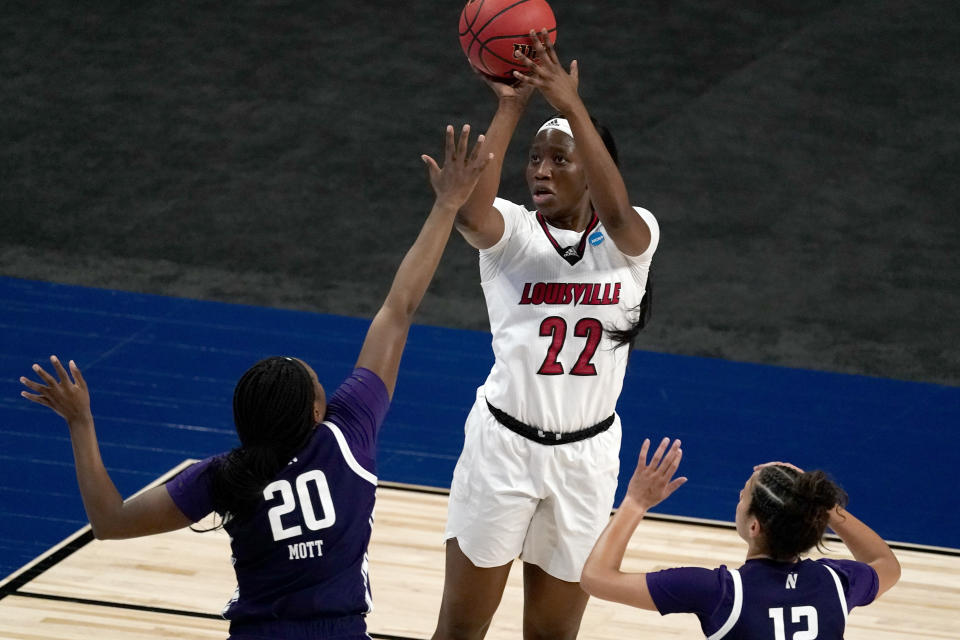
(802, 158)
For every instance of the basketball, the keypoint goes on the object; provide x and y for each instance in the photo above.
(491, 30)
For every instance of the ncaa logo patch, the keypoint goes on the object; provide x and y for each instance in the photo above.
(596, 238)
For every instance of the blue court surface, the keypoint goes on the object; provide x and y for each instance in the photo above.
(161, 372)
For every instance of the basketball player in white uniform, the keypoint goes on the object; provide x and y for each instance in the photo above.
(564, 286)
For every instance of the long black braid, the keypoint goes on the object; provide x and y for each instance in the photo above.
(273, 415)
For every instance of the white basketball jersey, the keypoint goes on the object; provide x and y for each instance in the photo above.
(555, 367)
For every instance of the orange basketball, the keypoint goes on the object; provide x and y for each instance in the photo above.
(491, 30)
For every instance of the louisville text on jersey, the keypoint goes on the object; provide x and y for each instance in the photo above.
(574, 293)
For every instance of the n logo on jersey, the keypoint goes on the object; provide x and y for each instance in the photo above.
(791, 581)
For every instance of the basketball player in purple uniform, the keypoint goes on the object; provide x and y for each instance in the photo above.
(783, 512)
(297, 495)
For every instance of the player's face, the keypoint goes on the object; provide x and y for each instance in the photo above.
(555, 176)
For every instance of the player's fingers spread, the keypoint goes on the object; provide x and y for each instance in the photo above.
(526, 79)
(668, 465)
(538, 41)
(30, 384)
(34, 398)
(39, 399)
(46, 377)
(477, 148)
(673, 461)
(658, 454)
(575, 72)
(463, 145)
(77, 375)
(644, 448)
(675, 448)
(480, 162)
(431, 163)
(58, 367)
(677, 452)
(524, 60)
(551, 52)
(448, 142)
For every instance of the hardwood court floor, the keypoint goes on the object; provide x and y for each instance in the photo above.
(173, 585)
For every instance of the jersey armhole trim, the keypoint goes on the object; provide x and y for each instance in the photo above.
(735, 611)
(348, 454)
(843, 598)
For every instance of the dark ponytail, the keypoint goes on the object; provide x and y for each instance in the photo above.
(626, 337)
(273, 415)
(793, 508)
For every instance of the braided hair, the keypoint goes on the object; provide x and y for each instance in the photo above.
(793, 508)
(273, 415)
(626, 337)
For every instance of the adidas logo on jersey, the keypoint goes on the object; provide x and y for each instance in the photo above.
(574, 293)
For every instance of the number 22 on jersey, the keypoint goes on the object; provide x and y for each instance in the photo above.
(555, 328)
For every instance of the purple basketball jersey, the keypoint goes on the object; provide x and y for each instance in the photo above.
(767, 599)
(303, 554)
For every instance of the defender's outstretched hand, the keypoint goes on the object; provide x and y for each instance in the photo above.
(454, 182)
(653, 483)
(152, 511)
(67, 396)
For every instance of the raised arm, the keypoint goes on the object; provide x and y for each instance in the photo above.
(867, 547)
(478, 221)
(152, 511)
(608, 193)
(452, 184)
(651, 484)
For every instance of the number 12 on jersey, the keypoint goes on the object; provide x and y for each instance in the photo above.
(796, 615)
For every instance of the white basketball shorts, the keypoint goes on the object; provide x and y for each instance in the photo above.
(514, 497)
